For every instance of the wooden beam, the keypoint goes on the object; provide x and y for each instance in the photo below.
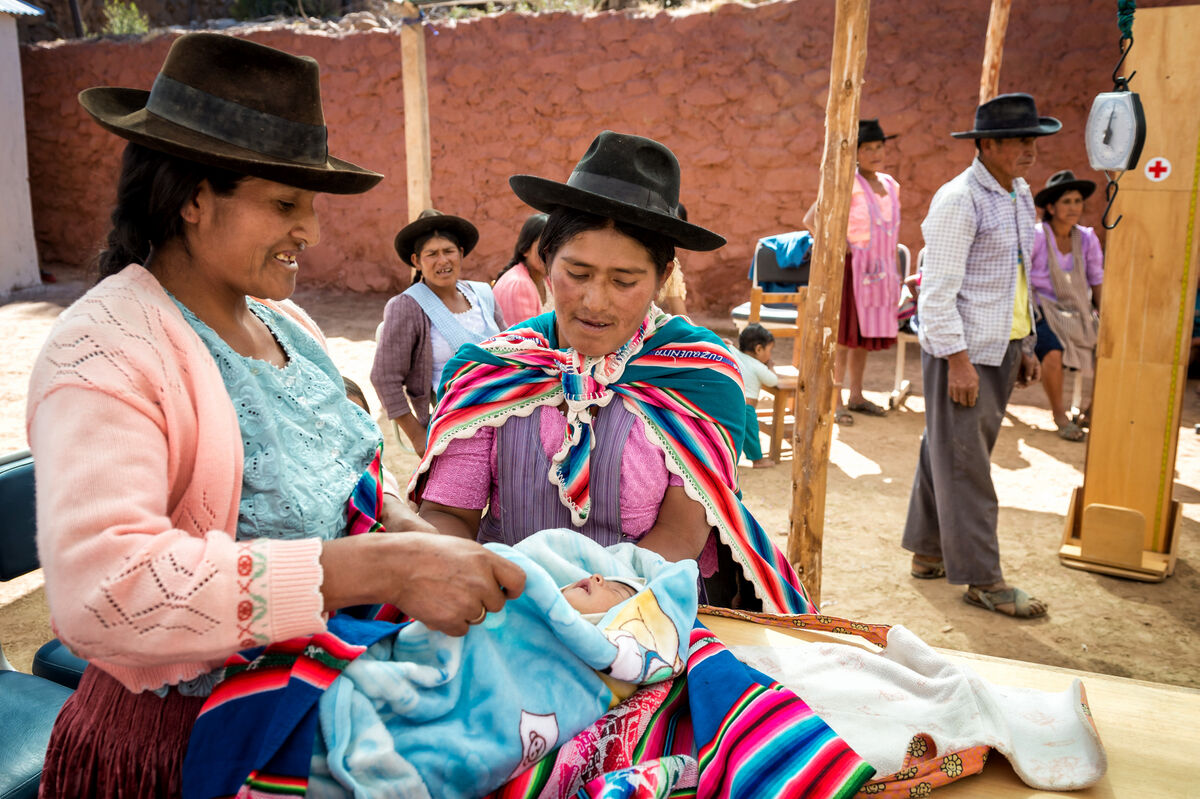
(416, 113)
(813, 429)
(993, 50)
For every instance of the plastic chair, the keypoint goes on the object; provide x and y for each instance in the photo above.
(29, 703)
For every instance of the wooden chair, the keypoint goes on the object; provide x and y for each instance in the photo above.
(783, 396)
(901, 388)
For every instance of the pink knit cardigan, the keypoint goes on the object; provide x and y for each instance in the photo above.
(138, 462)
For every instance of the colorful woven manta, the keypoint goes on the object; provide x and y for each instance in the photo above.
(679, 379)
(724, 730)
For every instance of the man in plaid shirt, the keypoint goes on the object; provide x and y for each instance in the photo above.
(976, 332)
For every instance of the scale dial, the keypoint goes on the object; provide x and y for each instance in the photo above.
(1116, 131)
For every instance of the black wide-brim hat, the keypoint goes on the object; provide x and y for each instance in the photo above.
(1059, 184)
(870, 130)
(432, 220)
(626, 178)
(237, 105)
(1009, 116)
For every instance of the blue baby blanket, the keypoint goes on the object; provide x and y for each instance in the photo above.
(423, 714)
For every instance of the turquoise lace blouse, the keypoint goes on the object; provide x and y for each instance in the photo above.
(304, 444)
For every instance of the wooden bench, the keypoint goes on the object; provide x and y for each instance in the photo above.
(1148, 729)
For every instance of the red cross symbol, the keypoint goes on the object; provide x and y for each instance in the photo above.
(1157, 168)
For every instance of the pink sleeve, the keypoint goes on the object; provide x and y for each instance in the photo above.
(644, 481)
(461, 477)
(124, 583)
(517, 296)
(1093, 257)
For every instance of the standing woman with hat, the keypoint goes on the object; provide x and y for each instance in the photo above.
(871, 282)
(606, 415)
(1068, 298)
(424, 326)
(194, 447)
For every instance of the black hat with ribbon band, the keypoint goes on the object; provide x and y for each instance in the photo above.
(237, 105)
(870, 130)
(626, 178)
(430, 221)
(1059, 184)
(1009, 116)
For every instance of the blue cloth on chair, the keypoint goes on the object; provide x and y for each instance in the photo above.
(790, 249)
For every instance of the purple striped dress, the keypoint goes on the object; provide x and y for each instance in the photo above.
(529, 502)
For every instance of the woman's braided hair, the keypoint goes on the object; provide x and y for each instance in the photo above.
(152, 190)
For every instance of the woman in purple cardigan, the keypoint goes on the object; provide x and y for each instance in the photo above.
(423, 327)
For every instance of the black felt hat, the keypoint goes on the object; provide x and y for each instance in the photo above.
(626, 178)
(432, 220)
(234, 104)
(1009, 116)
(870, 130)
(1059, 184)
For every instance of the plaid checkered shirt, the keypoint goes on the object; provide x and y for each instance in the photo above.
(974, 234)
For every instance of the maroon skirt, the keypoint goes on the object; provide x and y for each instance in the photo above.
(109, 742)
(848, 333)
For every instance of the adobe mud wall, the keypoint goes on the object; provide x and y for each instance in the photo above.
(737, 92)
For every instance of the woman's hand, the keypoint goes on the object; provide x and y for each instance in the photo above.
(398, 517)
(415, 431)
(441, 581)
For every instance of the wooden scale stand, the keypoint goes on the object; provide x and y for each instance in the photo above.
(1123, 521)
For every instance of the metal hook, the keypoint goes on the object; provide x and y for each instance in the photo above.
(1121, 84)
(1110, 194)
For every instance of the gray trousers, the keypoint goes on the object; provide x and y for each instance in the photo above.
(953, 508)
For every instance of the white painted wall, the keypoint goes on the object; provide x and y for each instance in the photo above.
(18, 250)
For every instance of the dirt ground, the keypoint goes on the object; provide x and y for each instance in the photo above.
(1146, 631)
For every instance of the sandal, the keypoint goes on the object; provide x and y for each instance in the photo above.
(1022, 602)
(1071, 432)
(842, 416)
(867, 407)
(927, 569)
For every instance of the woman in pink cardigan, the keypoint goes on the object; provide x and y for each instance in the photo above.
(522, 289)
(193, 444)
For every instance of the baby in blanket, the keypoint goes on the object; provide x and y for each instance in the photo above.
(423, 714)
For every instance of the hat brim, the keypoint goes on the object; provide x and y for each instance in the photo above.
(123, 112)
(1051, 194)
(1047, 126)
(887, 137)
(545, 195)
(467, 233)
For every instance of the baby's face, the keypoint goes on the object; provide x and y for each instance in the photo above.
(595, 594)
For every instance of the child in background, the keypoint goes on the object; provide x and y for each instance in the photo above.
(755, 345)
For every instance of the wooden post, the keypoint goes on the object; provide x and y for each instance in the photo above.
(813, 428)
(416, 113)
(76, 18)
(993, 50)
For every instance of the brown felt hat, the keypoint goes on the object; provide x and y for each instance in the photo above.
(430, 221)
(237, 105)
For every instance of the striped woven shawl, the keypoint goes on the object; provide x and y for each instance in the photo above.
(679, 379)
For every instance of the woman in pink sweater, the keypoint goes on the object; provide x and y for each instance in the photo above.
(522, 289)
(194, 447)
